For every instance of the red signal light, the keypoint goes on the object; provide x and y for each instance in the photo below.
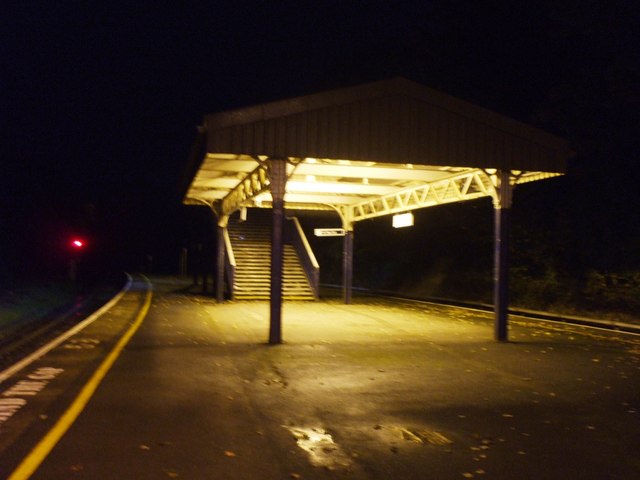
(77, 243)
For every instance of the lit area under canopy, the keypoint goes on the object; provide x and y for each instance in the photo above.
(365, 189)
(365, 151)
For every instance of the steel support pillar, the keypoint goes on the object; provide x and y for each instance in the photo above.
(278, 179)
(347, 265)
(220, 258)
(502, 212)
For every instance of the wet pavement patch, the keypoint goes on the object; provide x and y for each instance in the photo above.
(319, 445)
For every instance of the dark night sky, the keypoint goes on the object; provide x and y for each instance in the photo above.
(100, 100)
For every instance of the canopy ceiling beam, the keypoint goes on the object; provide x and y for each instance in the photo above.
(252, 185)
(457, 188)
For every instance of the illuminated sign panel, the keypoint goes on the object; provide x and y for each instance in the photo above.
(403, 220)
(329, 232)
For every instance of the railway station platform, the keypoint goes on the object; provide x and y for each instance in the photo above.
(373, 390)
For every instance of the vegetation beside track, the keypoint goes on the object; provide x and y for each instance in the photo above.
(26, 303)
(32, 314)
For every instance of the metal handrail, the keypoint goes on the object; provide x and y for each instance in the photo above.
(305, 242)
(308, 259)
(230, 261)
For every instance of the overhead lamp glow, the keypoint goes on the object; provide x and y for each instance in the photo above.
(403, 220)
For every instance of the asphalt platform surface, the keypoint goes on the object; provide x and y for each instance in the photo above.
(373, 390)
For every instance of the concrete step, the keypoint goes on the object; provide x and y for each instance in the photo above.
(251, 244)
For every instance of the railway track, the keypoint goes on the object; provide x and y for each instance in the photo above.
(29, 336)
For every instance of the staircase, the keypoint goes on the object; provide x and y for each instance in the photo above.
(251, 243)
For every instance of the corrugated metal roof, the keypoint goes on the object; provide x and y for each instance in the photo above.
(393, 121)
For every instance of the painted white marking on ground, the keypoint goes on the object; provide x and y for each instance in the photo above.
(11, 399)
(81, 344)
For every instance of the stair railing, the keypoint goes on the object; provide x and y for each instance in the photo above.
(307, 258)
(229, 262)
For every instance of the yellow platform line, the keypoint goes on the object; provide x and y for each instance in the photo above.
(33, 460)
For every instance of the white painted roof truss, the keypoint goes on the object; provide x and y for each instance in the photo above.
(357, 190)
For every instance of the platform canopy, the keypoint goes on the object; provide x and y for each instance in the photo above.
(366, 151)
